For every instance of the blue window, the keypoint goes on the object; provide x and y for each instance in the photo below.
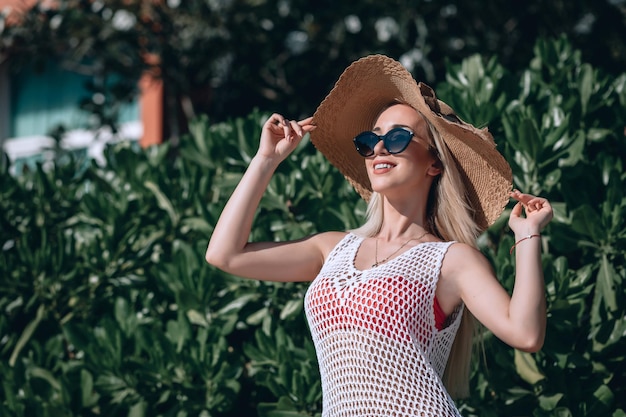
(42, 101)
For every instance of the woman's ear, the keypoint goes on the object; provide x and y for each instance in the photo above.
(435, 169)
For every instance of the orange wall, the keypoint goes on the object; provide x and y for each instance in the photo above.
(19, 6)
(151, 108)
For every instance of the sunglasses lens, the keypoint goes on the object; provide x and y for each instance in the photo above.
(396, 140)
(365, 143)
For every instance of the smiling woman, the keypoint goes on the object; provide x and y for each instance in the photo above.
(391, 304)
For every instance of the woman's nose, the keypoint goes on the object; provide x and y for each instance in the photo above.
(379, 148)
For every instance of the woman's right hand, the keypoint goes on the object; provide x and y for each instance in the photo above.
(281, 136)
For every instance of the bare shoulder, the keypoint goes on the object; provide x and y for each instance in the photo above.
(464, 267)
(326, 241)
(462, 259)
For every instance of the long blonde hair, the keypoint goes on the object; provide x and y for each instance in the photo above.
(449, 217)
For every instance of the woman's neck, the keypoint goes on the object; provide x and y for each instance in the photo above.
(403, 219)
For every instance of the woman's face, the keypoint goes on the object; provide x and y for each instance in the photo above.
(409, 170)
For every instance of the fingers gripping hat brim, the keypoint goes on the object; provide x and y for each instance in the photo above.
(372, 83)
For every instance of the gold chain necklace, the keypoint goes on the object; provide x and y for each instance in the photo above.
(375, 264)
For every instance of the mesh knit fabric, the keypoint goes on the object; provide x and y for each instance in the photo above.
(378, 349)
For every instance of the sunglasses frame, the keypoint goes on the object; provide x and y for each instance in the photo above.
(385, 138)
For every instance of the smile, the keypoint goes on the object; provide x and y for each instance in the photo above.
(383, 166)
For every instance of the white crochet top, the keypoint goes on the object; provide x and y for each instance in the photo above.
(378, 349)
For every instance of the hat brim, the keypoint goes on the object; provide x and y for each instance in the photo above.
(369, 85)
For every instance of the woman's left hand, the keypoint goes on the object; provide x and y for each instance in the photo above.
(537, 210)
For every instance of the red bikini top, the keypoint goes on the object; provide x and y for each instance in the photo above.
(440, 316)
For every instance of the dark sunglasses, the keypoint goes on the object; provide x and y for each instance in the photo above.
(395, 141)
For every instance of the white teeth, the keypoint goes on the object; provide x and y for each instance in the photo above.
(383, 166)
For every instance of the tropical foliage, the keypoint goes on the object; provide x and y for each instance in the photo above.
(108, 308)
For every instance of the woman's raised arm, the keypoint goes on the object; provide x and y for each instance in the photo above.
(229, 248)
(518, 319)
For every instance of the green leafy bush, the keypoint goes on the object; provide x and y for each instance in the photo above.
(108, 308)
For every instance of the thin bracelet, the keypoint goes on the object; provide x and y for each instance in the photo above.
(521, 240)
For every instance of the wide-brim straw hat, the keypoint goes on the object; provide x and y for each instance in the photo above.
(372, 83)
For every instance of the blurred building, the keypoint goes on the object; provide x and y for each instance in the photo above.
(33, 104)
